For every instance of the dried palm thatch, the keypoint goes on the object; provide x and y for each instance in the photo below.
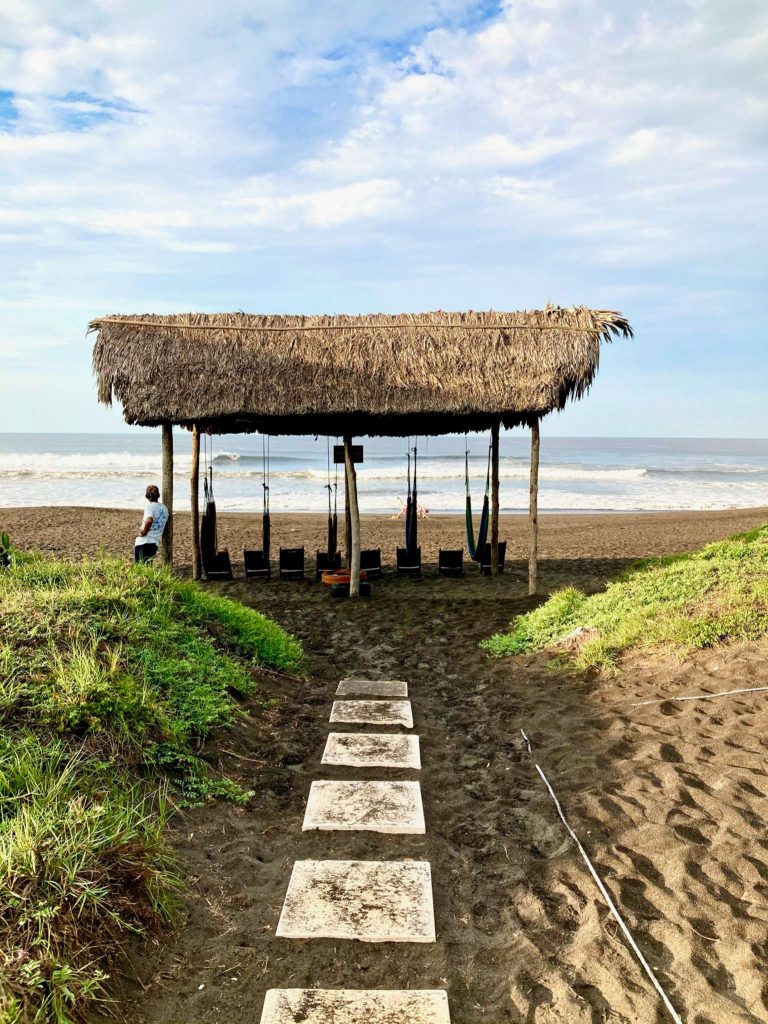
(425, 373)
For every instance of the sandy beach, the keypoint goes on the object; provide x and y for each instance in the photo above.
(71, 532)
(668, 798)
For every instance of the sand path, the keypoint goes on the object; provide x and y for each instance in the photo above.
(669, 799)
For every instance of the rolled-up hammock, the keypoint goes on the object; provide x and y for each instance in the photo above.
(333, 518)
(266, 529)
(208, 539)
(266, 522)
(333, 526)
(411, 512)
(477, 547)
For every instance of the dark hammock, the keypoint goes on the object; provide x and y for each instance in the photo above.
(411, 512)
(265, 532)
(333, 525)
(266, 524)
(208, 539)
(476, 548)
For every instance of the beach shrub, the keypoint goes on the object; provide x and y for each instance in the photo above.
(110, 676)
(685, 602)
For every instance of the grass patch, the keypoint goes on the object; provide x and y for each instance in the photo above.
(686, 602)
(110, 676)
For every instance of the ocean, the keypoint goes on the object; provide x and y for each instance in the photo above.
(577, 474)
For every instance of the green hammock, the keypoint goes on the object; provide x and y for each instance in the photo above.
(476, 548)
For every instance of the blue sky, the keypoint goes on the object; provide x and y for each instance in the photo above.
(297, 156)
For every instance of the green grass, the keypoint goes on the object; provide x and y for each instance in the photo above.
(687, 602)
(110, 676)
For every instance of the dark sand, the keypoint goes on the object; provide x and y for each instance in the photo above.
(74, 531)
(669, 800)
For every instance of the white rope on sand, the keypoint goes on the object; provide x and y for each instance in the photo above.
(699, 696)
(607, 896)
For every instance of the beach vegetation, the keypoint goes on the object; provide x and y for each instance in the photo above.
(686, 602)
(5, 550)
(111, 676)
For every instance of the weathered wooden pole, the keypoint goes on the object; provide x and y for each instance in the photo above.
(533, 509)
(166, 544)
(495, 499)
(194, 497)
(354, 519)
(347, 519)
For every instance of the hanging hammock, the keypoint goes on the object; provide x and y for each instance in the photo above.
(412, 510)
(256, 562)
(333, 518)
(476, 548)
(208, 539)
(266, 524)
(215, 563)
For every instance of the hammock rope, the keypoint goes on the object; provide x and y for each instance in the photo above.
(476, 546)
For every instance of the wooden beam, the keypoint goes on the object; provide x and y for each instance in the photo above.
(166, 545)
(354, 519)
(533, 509)
(194, 499)
(347, 519)
(495, 499)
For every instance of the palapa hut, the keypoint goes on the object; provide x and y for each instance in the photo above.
(387, 375)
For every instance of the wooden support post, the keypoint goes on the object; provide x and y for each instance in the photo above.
(166, 544)
(194, 498)
(533, 509)
(347, 520)
(354, 519)
(495, 499)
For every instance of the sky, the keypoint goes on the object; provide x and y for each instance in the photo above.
(320, 156)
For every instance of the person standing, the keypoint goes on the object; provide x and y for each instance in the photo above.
(152, 526)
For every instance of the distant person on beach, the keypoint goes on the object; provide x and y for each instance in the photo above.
(421, 511)
(152, 526)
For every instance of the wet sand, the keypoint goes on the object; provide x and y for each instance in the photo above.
(669, 799)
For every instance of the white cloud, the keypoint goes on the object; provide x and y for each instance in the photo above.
(21, 343)
(262, 202)
(599, 146)
(638, 146)
(184, 111)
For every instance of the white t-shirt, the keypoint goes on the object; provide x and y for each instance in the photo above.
(159, 514)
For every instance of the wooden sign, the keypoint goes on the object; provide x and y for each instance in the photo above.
(338, 454)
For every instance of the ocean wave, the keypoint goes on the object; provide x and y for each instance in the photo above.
(711, 469)
(448, 472)
(103, 494)
(372, 476)
(257, 458)
(91, 462)
(118, 477)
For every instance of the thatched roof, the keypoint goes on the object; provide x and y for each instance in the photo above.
(425, 373)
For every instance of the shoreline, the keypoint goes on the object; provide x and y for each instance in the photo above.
(436, 514)
(70, 532)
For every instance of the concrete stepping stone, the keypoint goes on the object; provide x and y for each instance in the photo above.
(372, 750)
(329, 1006)
(367, 900)
(372, 688)
(373, 712)
(393, 807)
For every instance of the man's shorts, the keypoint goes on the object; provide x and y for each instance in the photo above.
(144, 552)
